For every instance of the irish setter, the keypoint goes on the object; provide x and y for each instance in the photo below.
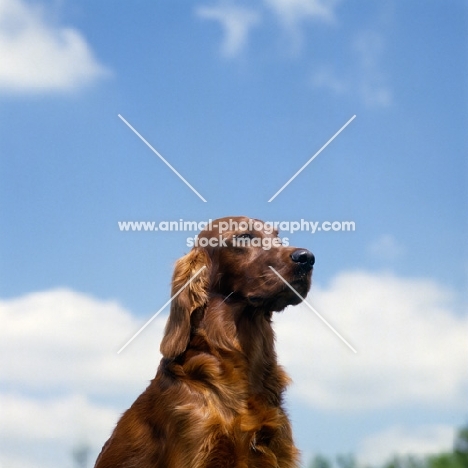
(216, 400)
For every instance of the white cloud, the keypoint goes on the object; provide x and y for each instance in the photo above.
(398, 440)
(386, 247)
(50, 429)
(62, 360)
(38, 56)
(20, 461)
(64, 340)
(61, 419)
(369, 46)
(326, 77)
(364, 79)
(236, 21)
(412, 347)
(293, 12)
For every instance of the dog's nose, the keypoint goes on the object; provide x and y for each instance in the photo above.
(305, 258)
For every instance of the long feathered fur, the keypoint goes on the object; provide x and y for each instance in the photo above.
(217, 398)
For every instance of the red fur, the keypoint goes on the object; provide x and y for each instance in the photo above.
(216, 400)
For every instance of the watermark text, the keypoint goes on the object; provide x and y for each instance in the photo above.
(233, 225)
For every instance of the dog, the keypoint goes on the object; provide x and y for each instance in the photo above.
(217, 398)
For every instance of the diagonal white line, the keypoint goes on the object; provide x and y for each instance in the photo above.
(160, 157)
(312, 158)
(161, 309)
(314, 311)
(227, 297)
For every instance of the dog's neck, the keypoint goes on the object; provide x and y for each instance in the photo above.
(229, 326)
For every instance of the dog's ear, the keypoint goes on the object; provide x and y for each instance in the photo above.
(189, 297)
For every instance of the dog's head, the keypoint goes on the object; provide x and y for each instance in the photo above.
(242, 258)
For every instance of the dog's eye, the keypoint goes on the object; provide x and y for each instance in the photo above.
(245, 235)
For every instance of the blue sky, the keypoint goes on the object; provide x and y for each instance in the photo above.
(237, 96)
